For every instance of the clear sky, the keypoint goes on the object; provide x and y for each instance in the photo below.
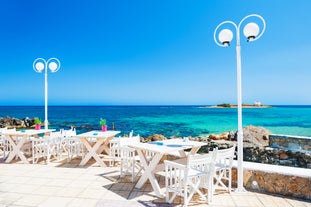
(152, 52)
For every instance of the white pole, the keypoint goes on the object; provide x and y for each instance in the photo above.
(46, 98)
(240, 126)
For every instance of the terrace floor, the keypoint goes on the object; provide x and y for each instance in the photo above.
(61, 184)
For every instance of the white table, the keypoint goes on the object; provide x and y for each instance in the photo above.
(161, 148)
(96, 142)
(18, 138)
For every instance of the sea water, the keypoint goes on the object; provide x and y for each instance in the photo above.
(169, 120)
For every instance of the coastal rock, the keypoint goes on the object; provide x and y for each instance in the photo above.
(214, 137)
(222, 136)
(28, 122)
(155, 137)
(6, 121)
(277, 157)
(12, 122)
(254, 136)
(231, 135)
(283, 156)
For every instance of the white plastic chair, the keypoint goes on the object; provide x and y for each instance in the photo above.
(130, 163)
(47, 146)
(71, 145)
(5, 145)
(186, 180)
(117, 143)
(3, 149)
(224, 161)
(67, 134)
(120, 152)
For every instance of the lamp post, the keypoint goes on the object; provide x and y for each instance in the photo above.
(39, 65)
(251, 32)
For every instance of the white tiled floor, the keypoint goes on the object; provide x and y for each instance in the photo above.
(60, 184)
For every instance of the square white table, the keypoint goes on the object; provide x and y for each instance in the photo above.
(96, 142)
(18, 138)
(161, 148)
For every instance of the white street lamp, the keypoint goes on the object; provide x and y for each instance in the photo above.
(251, 32)
(39, 65)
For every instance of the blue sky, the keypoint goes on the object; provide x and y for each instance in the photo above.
(152, 52)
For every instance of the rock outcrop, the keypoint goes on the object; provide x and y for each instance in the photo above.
(12, 122)
(155, 137)
(254, 136)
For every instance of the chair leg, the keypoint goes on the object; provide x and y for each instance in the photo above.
(230, 180)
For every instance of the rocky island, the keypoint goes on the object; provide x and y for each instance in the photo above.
(228, 105)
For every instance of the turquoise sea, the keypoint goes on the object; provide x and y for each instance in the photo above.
(169, 120)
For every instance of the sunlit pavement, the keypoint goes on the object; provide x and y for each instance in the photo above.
(61, 184)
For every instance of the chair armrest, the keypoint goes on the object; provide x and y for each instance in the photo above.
(174, 164)
(114, 141)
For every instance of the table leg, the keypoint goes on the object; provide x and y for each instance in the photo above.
(148, 173)
(194, 150)
(16, 149)
(92, 152)
(105, 146)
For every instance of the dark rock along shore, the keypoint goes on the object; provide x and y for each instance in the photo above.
(12, 122)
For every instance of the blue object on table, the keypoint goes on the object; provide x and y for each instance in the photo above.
(174, 145)
(23, 130)
(95, 133)
(156, 143)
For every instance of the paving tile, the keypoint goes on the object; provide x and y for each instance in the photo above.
(55, 201)
(30, 200)
(79, 183)
(82, 202)
(122, 186)
(46, 190)
(19, 179)
(37, 181)
(9, 198)
(298, 203)
(116, 195)
(118, 203)
(7, 187)
(58, 182)
(68, 192)
(5, 178)
(27, 189)
(92, 193)
(223, 200)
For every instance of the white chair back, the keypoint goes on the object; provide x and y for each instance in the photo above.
(47, 147)
(118, 142)
(223, 167)
(185, 180)
(125, 141)
(5, 145)
(69, 132)
(225, 157)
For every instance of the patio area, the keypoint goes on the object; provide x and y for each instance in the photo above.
(61, 184)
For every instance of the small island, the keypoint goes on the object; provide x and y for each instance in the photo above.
(257, 104)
